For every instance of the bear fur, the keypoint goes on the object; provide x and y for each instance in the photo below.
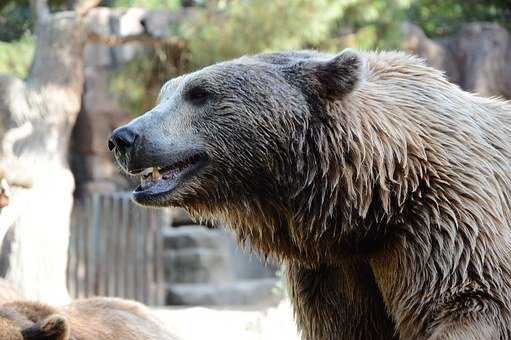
(385, 189)
(89, 319)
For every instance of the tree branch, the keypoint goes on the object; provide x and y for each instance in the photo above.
(113, 40)
(149, 27)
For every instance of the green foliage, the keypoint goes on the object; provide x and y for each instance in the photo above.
(234, 28)
(374, 24)
(131, 92)
(231, 28)
(227, 29)
(138, 82)
(15, 57)
(14, 21)
(16, 17)
(444, 17)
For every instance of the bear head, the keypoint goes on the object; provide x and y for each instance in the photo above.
(237, 141)
(15, 325)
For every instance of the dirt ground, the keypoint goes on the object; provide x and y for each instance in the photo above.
(258, 323)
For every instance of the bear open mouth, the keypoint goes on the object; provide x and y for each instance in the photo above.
(155, 181)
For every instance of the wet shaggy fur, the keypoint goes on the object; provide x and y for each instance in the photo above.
(90, 319)
(384, 188)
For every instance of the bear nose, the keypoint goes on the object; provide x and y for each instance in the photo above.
(123, 139)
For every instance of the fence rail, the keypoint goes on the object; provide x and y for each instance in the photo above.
(116, 249)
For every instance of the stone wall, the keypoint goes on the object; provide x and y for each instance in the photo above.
(205, 266)
(101, 109)
(477, 58)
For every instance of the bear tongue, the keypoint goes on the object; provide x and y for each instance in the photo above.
(152, 172)
(172, 173)
(153, 175)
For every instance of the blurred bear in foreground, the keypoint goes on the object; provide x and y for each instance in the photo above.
(89, 319)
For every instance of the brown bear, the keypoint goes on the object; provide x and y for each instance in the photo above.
(89, 319)
(384, 188)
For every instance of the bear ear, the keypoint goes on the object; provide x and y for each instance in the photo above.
(55, 327)
(337, 76)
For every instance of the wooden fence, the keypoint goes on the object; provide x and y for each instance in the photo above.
(116, 249)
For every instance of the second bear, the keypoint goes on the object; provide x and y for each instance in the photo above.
(89, 319)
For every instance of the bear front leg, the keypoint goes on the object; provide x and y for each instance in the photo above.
(470, 329)
(468, 333)
(341, 303)
(469, 318)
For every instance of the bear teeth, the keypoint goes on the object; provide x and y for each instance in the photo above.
(152, 173)
(147, 172)
(156, 174)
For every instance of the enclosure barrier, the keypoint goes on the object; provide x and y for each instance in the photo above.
(116, 249)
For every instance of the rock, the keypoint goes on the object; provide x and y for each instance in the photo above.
(193, 236)
(233, 293)
(434, 52)
(247, 264)
(206, 267)
(195, 254)
(99, 22)
(192, 249)
(160, 23)
(101, 110)
(180, 217)
(196, 265)
(476, 58)
(100, 113)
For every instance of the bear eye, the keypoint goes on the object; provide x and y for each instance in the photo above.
(197, 94)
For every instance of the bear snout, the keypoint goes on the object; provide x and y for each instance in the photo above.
(122, 143)
(123, 139)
